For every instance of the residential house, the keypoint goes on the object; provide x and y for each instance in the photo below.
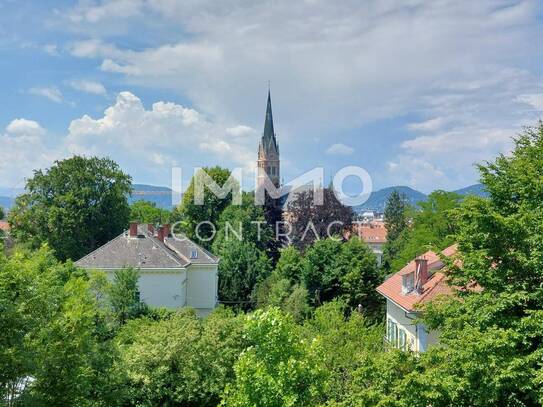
(174, 273)
(419, 282)
(374, 234)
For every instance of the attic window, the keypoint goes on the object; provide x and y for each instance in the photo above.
(408, 283)
(194, 254)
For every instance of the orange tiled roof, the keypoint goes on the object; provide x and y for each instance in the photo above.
(436, 284)
(371, 233)
(4, 226)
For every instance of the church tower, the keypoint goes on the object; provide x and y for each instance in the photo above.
(268, 151)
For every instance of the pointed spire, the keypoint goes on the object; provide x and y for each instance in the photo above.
(269, 134)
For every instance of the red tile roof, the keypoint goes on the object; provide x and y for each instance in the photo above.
(374, 232)
(4, 226)
(436, 284)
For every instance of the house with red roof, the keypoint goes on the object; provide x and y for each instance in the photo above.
(419, 282)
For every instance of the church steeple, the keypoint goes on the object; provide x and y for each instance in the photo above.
(268, 150)
(268, 138)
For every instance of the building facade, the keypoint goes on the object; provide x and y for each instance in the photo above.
(173, 273)
(406, 291)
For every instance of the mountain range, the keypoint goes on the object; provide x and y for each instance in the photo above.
(162, 196)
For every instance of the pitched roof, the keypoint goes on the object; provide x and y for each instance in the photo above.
(435, 286)
(145, 251)
(374, 232)
(4, 226)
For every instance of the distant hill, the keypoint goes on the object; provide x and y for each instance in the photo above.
(378, 199)
(160, 196)
(477, 189)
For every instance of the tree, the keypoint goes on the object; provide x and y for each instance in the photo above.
(75, 206)
(180, 360)
(147, 212)
(123, 295)
(2, 214)
(290, 264)
(359, 277)
(244, 222)
(277, 368)
(491, 338)
(395, 223)
(241, 268)
(311, 222)
(433, 227)
(193, 214)
(52, 332)
(319, 273)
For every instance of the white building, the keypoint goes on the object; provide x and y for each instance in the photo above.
(173, 273)
(419, 282)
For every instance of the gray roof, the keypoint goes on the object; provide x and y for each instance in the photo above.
(145, 252)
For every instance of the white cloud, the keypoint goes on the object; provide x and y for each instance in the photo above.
(241, 131)
(339, 149)
(88, 86)
(428, 125)
(51, 93)
(23, 127)
(23, 150)
(534, 100)
(166, 135)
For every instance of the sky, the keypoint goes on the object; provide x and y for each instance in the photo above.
(415, 92)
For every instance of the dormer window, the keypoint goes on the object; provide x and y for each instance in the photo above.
(194, 254)
(408, 283)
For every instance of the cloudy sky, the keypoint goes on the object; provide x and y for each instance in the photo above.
(414, 91)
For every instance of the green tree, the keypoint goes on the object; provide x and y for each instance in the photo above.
(180, 360)
(491, 340)
(2, 214)
(395, 223)
(191, 213)
(290, 264)
(244, 222)
(75, 206)
(52, 332)
(241, 268)
(147, 212)
(359, 276)
(278, 368)
(433, 227)
(319, 274)
(123, 294)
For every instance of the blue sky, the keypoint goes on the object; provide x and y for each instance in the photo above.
(414, 91)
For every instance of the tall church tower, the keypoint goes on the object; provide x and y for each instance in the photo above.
(268, 151)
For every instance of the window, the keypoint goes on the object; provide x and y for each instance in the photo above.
(273, 170)
(194, 254)
(402, 339)
(392, 332)
(408, 282)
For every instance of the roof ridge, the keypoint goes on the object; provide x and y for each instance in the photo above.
(155, 242)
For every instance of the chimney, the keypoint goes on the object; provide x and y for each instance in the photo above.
(150, 228)
(166, 228)
(160, 234)
(133, 229)
(421, 273)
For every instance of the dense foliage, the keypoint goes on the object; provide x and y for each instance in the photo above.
(74, 338)
(311, 221)
(75, 206)
(192, 214)
(148, 212)
(433, 226)
(396, 222)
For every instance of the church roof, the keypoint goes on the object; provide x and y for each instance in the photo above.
(268, 142)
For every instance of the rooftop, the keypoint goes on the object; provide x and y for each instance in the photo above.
(146, 251)
(435, 285)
